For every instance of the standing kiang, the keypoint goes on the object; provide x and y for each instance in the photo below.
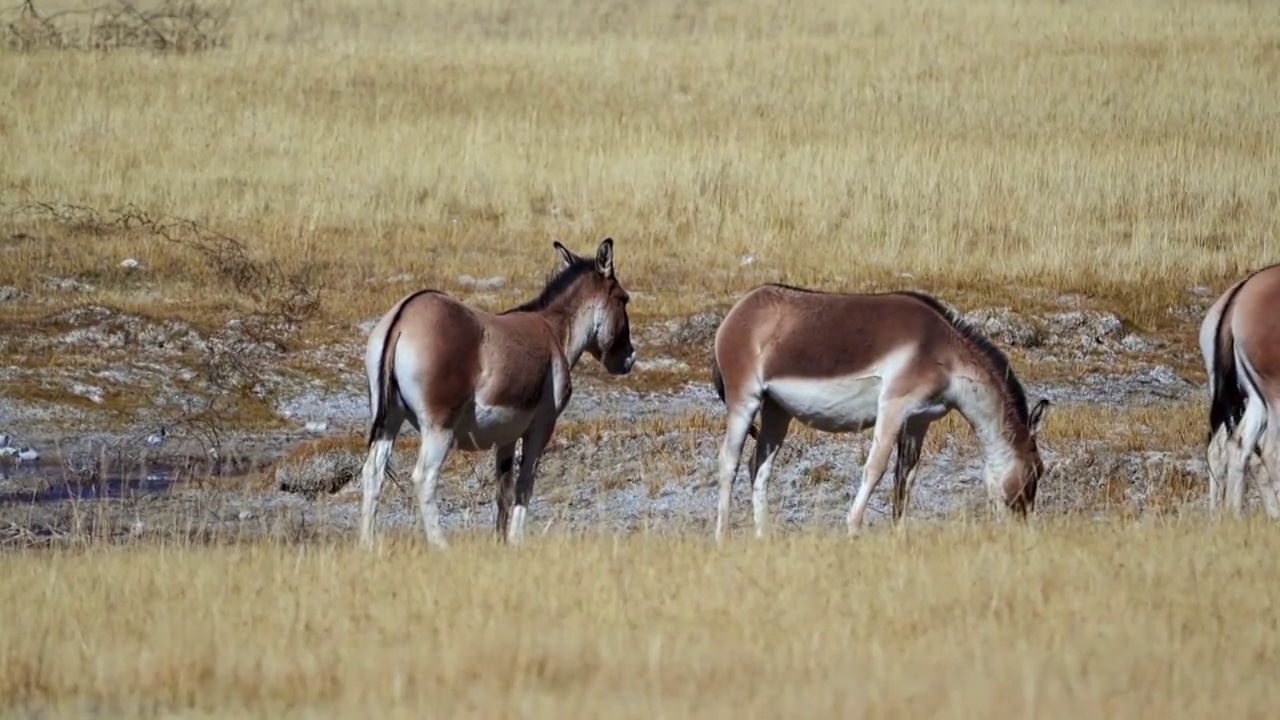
(475, 381)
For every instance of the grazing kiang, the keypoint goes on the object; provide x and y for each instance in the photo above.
(474, 380)
(841, 363)
(1240, 342)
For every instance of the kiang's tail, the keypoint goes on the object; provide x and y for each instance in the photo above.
(387, 387)
(718, 381)
(1227, 400)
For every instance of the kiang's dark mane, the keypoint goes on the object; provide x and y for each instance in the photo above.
(997, 358)
(999, 362)
(557, 284)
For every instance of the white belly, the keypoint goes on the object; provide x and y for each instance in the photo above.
(846, 404)
(483, 426)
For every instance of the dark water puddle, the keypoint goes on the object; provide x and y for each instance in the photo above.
(37, 484)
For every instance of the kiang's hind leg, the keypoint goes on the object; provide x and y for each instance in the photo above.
(1269, 482)
(774, 423)
(740, 411)
(375, 468)
(1216, 455)
(504, 491)
(910, 444)
(436, 442)
(1246, 439)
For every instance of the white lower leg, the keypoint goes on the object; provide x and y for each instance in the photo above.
(1270, 501)
(516, 531)
(1269, 483)
(426, 474)
(877, 461)
(371, 476)
(730, 453)
(908, 483)
(1216, 459)
(759, 498)
(1247, 436)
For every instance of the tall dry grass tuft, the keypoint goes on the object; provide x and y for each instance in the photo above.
(1125, 149)
(1157, 620)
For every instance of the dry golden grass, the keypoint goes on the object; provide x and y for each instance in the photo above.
(1152, 620)
(1124, 149)
(998, 153)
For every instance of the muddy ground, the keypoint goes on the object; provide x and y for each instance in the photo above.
(636, 453)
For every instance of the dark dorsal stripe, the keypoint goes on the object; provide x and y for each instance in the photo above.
(988, 349)
(556, 286)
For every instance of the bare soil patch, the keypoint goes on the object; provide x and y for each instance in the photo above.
(632, 454)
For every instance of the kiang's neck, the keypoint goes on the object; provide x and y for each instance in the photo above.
(987, 407)
(570, 322)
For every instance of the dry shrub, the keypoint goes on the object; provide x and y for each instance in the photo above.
(317, 473)
(328, 465)
(236, 361)
(176, 26)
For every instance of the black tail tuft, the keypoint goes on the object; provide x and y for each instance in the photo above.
(718, 381)
(1227, 400)
(387, 387)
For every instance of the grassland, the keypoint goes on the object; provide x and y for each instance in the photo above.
(1041, 156)
(1120, 150)
(1158, 620)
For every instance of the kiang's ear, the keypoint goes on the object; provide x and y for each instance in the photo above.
(604, 258)
(1037, 415)
(566, 257)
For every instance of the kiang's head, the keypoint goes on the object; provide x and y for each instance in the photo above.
(604, 308)
(1022, 479)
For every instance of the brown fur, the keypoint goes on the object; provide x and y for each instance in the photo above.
(1255, 324)
(479, 346)
(473, 380)
(1240, 341)
(778, 335)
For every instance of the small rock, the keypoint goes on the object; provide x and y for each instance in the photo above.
(1191, 312)
(246, 515)
(1162, 375)
(67, 285)
(129, 264)
(94, 394)
(1086, 326)
(661, 363)
(1006, 327)
(316, 426)
(9, 293)
(699, 329)
(1134, 343)
(489, 283)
